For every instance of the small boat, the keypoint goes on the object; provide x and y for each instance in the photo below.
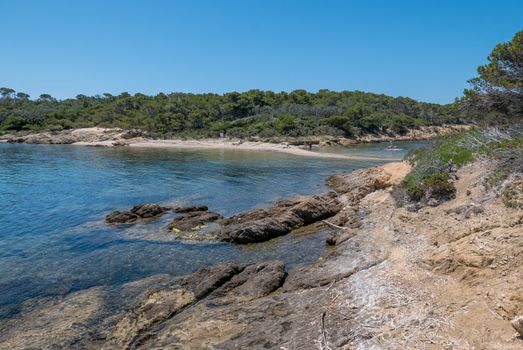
(391, 147)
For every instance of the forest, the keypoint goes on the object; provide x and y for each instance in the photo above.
(246, 114)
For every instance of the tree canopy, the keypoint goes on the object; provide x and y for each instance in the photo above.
(499, 84)
(250, 113)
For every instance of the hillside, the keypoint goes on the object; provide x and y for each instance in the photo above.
(252, 113)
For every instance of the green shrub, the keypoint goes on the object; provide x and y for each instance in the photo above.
(433, 166)
(439, 186)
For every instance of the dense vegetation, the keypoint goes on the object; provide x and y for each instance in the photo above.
(497, 92)
(433, 173)
(251, 113)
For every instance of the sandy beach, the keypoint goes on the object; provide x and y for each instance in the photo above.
(114, 137)
(246, 146)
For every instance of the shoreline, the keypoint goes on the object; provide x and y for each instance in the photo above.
(247, 146)
(401, 269)
(113, 137)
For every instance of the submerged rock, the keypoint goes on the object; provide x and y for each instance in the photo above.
(146, 211)
(190, 209)
(193, 221)
(140, 211)
(263, 224)
(121, 217)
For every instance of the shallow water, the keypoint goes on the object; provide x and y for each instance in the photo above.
(53, 239)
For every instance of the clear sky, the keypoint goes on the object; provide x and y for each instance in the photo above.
(422, 49)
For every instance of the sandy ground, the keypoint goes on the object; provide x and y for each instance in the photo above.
(246, 146)
(108, 137)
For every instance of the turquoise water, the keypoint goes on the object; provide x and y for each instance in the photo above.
(53, 239)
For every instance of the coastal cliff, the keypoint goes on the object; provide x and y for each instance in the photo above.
(398, 277)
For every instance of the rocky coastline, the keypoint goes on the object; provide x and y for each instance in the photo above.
(97, 136)
(396, 277)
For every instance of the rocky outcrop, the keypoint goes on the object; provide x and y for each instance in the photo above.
(95, 136)
(443, 277)
(140, 211)
(146, 211)
(193, 221)
(220, 284)
(263, 224)
(121, 217)
(416, 134)
(359, 183)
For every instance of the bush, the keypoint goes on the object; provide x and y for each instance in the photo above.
(431, 176)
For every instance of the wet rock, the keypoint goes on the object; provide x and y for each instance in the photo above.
(193, 221)
(141, 211)
(121, 217)
(147, 211)
(191, 209)
(261, 225)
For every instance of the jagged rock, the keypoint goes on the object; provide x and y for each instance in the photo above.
(146, 211)
(121, 217)
(359, 183)
(255, 280)
(141, 211)
(191, 209)
(263, 224)
(193, 221)
(154, 308)
(205, 280)
(218, 284)
(347, 217)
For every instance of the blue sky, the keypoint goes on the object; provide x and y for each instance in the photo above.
(422, 49)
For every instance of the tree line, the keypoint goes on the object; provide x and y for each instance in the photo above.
(245, 114)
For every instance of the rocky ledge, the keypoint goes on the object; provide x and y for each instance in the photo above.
(196, 223)
(95, 136)
(445, 277)
(263, 224)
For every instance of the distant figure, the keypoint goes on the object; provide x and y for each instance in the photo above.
(391, 145)
(310, 146)
(222, 135)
